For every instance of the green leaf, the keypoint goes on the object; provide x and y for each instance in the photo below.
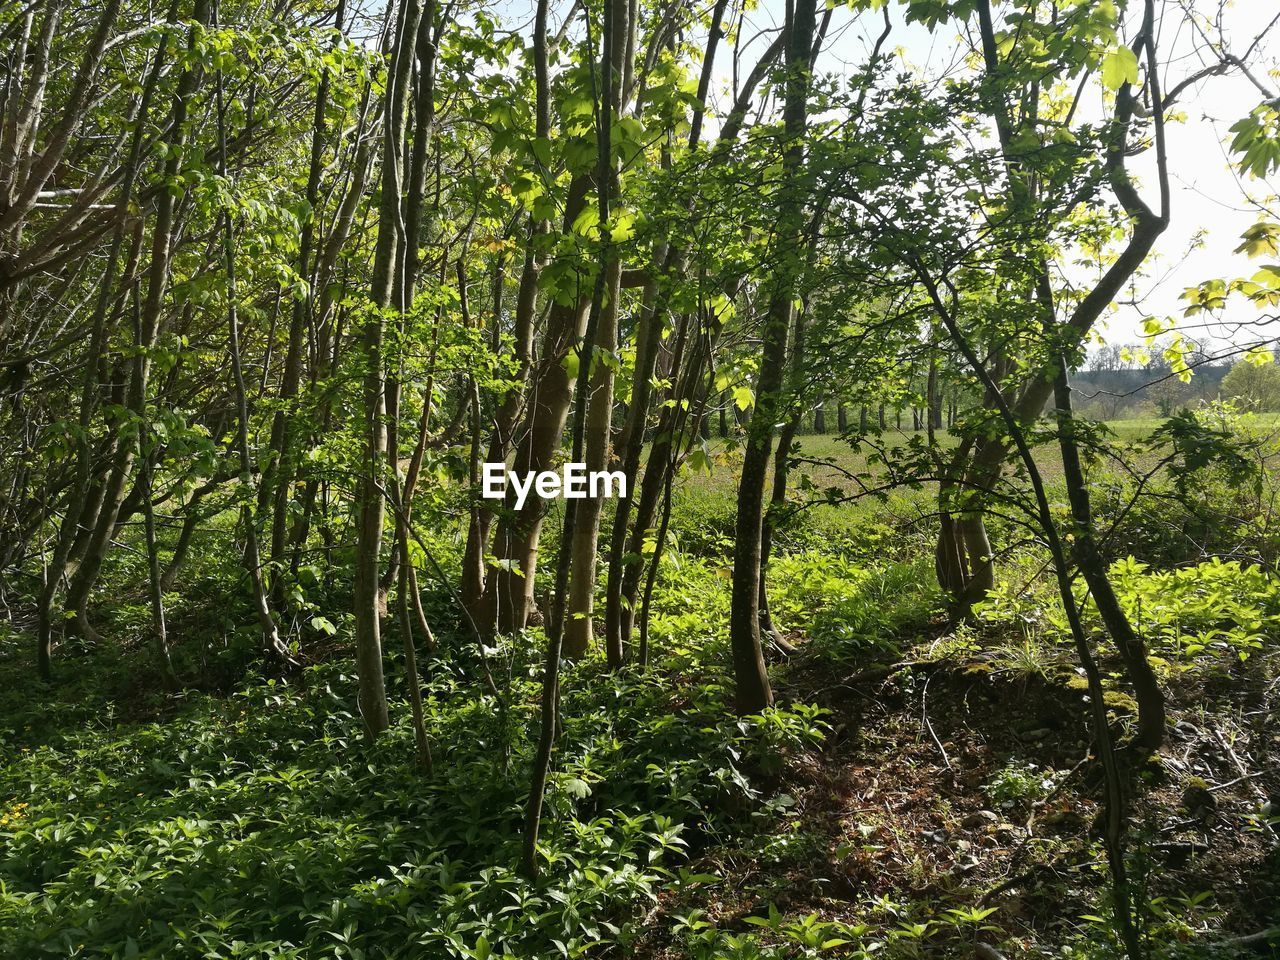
(323, 625)
(571, 362)
(1119, 66)
(542, 151)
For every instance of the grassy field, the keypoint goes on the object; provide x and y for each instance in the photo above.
(1125, 438)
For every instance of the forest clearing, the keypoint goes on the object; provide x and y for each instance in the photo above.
(639, 479)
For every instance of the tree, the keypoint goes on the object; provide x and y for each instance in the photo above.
(1255, 385)
(387, 280)
(752, 691)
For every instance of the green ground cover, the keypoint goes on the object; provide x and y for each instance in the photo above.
(911, 768)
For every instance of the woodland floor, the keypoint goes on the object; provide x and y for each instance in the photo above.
(944, 788)
(897, 808)
(919, 788)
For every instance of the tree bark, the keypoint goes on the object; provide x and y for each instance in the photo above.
(272, 646)
(370, 503)
(613, 43)
(752, 690)
(582, 573)
(508, 600)
(148, 329)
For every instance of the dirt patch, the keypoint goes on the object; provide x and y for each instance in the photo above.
(955, 786)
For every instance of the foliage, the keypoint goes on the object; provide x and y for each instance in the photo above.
(1257, 386)
(1214, 609)
(255, 825)
(276, 281)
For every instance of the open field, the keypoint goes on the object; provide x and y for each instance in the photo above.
(830, 448)
(706, 497)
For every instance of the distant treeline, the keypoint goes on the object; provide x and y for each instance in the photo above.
(1114, 385)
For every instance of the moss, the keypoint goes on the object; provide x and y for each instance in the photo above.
(1120, 701)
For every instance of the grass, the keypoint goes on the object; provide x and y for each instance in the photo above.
(259, 825)
(724, 456)
(872, 813)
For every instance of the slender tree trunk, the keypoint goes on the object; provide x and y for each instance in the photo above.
(158, 631)
(933, 395)
(1030, 396)
(599, 417)
(473, 569)
(280, 469)
(85, 501)
(631, 445)
(582, 573)
(370, 502)
(162, 240)
(613, 42)
(752, 690)
(1114, 804)
(794, 397)
(405, 585)
(328, 323)
(1146, 687)
(623, 588)
(273, 647)
(509, 600)
(477, 588)
(190, 523)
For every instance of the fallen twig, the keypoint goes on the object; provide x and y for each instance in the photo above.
(1251, 941)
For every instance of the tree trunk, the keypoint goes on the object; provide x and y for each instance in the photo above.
(752, 690)
(614, 42)
(477, 582)
(272, 646)
(1030, 396)
(148, 329)
(279, 471)
(631, 443)
(86, 500)
(1146, 687)
(473, 569)
(582, 574)
(370, 504)
(508, 600)
(159, 633)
